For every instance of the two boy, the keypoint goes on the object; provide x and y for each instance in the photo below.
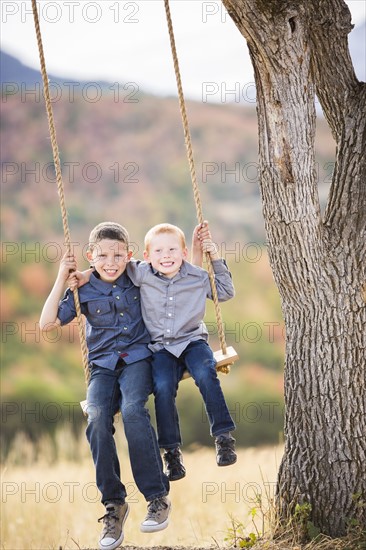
(173, 302)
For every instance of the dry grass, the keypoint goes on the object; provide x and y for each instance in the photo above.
(51, 506)
(56, 506)
(286, 542)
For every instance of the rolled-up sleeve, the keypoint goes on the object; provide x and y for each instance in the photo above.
(66, 309)
(223, 280)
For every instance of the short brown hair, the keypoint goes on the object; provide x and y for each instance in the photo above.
(108, 230)
(164, 228)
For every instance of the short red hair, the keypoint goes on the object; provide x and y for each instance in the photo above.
(164, 228)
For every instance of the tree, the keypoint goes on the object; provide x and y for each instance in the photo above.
(299, 47)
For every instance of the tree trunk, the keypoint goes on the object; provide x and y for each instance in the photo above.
(318, 263)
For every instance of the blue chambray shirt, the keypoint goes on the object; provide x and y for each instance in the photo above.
(114, 325)
(173, 309)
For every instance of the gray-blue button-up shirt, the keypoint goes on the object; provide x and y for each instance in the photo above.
(114, 325)
(173, 309)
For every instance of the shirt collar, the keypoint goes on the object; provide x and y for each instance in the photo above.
(106, 288)
(185, 269)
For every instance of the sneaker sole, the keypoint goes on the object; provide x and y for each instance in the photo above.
(155, 528)
(119, 541)
(227, 463)
(176, 478)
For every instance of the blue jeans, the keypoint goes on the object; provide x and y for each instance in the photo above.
(127, 388)
(167, 371)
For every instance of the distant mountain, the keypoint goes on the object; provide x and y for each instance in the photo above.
(128, 148)
(13, 71)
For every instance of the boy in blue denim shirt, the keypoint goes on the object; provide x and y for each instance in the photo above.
(120, 378)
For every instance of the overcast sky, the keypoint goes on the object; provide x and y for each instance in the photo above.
(127, 41)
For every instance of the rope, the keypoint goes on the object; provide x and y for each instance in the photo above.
(196, 193)
(60, 185)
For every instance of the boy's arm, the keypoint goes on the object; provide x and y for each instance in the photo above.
(224, 283)
(134, 270)
(49, 319)
(79, 278)
(202, 243)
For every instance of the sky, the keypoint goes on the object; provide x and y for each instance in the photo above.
(123, 41)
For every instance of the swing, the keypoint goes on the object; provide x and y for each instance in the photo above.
(226, 356)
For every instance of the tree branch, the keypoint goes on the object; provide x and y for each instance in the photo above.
(278, 41)
(343, 99)
(331, 64)
(302, 34)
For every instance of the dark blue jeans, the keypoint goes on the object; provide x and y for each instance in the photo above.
(127, 389)
(167, 371)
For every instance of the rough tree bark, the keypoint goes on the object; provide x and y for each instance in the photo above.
(318, 259)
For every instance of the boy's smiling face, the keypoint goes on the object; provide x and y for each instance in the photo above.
(109, 258)
(166, 254)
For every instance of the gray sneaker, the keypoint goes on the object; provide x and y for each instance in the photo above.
(112, 535)
(157, 517)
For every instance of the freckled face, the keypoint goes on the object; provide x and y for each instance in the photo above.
(109, 258)
(166, 254)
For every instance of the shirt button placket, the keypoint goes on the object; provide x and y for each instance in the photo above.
(118, 305)
(169, 317)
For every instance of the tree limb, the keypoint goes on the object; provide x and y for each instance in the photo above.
(336, 84)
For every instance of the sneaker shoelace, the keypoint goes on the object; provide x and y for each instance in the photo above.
(173, 458)
(155, 506)
(226, 444)
(108, 519)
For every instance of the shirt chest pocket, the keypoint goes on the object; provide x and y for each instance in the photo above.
(100, 313)
(132, 298)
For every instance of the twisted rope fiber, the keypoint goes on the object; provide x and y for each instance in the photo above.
(196, 193)
(60, 185)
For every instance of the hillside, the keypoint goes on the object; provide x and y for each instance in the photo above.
(13, 71)
(130, 156)
(127, 152)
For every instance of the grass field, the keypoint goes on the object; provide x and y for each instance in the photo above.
(56, 506)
